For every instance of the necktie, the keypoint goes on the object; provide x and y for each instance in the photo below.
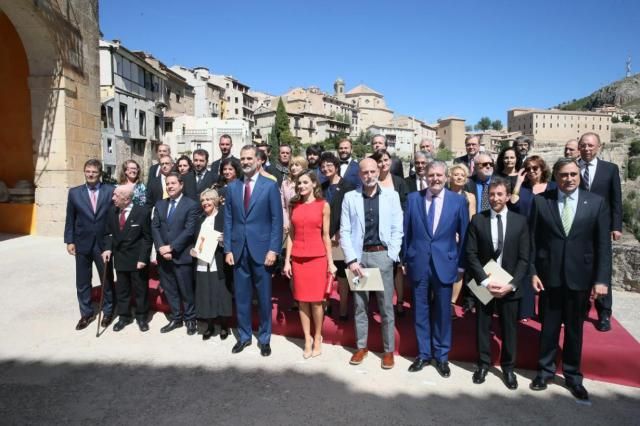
(94, 199)
(431, 215)
(420, 184)
(500, 238)
(172, 208)
(165, 194)
(484, 197)
(247, 194)
(472, 164)
(199, 176)
(567, 219)
(122, 219)
(585, 176)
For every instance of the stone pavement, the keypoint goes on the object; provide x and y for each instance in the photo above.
(50, 373)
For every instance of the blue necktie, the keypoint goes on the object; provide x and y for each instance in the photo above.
(172, 207)
(431, 215)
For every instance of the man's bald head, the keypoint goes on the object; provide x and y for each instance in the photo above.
(369, 172)
(122, 195)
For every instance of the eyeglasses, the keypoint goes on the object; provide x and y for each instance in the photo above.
(487, 164)
(532, 169)
(566, 175)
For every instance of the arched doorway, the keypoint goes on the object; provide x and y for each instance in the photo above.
(16, 142)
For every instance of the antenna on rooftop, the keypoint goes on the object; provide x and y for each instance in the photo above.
(628, 67)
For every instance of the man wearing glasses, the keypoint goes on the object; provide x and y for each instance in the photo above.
(472, 145)
(478, 184)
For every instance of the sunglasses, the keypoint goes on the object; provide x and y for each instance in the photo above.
(532, 169)
(487, 164)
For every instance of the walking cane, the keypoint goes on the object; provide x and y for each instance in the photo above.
(102, 282)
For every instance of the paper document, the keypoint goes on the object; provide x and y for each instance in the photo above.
(207, 243)
(371, 281)
(497, 274)
(337, 253)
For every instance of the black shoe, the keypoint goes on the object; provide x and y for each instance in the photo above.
(239, 346)
(265, 349)
(510, 379)
(122, 323)
(106, 320)
(538, 384)
(400, 312)
(344, 318)
(143, 325)
(480, 375)
(84, 322)
(604, 323)
(578, 391)
(171, 326)
(418, 365)
(192, 327)
(329, 310)
(442, 367)
(224, 333)
(208, 333)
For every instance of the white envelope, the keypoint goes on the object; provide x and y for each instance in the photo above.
(497, 274)
(372, 280)
(207, 243)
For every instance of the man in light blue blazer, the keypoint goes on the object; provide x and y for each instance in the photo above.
(252, 240)
(435, 224)
(371, 237)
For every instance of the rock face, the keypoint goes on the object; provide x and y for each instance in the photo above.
(626, 265)
(623, 93)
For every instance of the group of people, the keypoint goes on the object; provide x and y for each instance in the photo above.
(435, 230)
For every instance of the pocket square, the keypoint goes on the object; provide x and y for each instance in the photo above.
(133, 225)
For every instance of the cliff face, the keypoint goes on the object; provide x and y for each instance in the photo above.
(624, 93)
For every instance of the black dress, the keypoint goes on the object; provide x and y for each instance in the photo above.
(213, 292)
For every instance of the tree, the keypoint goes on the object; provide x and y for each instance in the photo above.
(483, 124)
(443, 154)
(280, 133)
(468, 128)
(496, 125)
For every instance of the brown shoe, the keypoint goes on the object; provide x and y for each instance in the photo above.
(357, 358)
(387, 361)
(106, 321)
(84, 322)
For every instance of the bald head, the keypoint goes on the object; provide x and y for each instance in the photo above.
(369, 172)
(571, 149)
(122, 195)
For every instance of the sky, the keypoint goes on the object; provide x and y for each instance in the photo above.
(429, 59)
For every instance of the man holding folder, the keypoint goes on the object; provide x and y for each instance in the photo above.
(371, 236)
(502, 236)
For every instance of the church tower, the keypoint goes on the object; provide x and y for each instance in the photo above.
(338, 88)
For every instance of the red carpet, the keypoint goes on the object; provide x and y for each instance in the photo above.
(611, 357)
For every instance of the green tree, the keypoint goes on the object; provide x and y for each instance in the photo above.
(483, 124)
(280, 133)
(444, 154)
(615, 119)
(496, 125)
(468, 128)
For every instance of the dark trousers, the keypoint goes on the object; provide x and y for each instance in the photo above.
(177, 283)
(432, 300)
(248, 274)
(508, 311)
(126, 281)
(84, 275)
(561, 305)
(603, 304)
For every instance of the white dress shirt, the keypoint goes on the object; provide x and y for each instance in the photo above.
(592, 169)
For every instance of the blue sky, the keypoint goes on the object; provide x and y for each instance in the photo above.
(429, 59)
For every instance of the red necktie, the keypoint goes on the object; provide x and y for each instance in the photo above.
(247, 194)
(123, 219)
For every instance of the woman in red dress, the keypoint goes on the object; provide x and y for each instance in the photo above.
(308, 257)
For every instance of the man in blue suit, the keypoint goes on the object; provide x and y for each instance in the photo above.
(435, 224)
(174, 228)
(87, 208)
(252, 240)
(349, 169)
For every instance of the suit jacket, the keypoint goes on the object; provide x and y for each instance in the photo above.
(260, 227)
(335, 206)
(181, 233)
(577, 260)
(273, 171)
(218, 225)
(154, 191)
(189, 188)
(421, 247)
(396, 167)
(400, 186)
(208, 180)
(352, 226)
(352, 174)
(151, 176)
(515, 253)
(82, 226)
(133, 243)
(606, 183)
(411, 183)
(464, 160)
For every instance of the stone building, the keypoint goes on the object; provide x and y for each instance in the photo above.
(558, 126)
(400, 140)
(132, 93)
(50, 105)
(239, 104)
(208, 97)
(451, 133)
(371, 106)
(421, 130)
(193, 133)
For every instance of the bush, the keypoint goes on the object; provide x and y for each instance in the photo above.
(633, 168)
(618, 135)
(615, 119)
(634, 148)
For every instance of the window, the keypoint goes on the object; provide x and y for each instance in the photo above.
(168, 126)
(124, 118)
(236, 110)
(156, 127)
(142, 123)
(110, 116)
(103, 116)
(110, 146)
(236, 99)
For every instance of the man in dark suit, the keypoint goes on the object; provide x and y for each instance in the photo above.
(418, 181)
(472, 145)
(478, 184)
(87, 207)
(204, 177)
(252, 241)
(157, 188)
(268, 166)
(225, 143)
(174, 232)
(602, 178)
(503, 236)
(435, 223)
(128, 241)
(379, 142)
(154, 170)
(522, 146)
(571, 261)
(349, 169)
